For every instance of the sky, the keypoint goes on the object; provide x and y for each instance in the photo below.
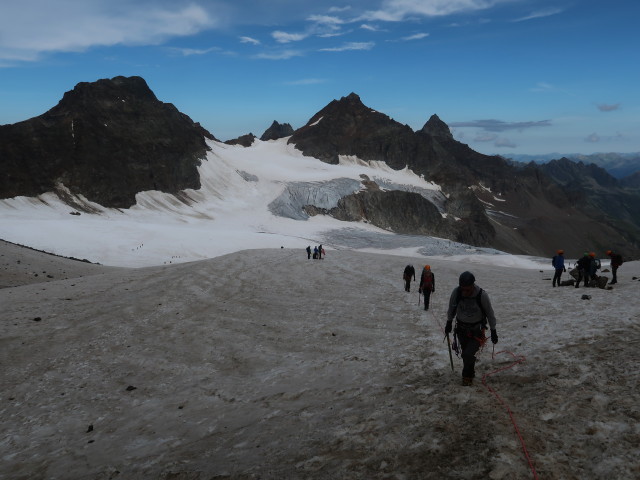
(507, 76)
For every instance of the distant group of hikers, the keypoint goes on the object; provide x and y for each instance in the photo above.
(585, 270)
(318, 252)
(471, 308)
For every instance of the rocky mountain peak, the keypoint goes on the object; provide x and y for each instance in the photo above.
(276, 131)
(106, 140)
(105, 93)
(437, 128)
(348, 127)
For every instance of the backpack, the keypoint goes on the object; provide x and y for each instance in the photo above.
(478, 300)
(618, 259)
(427, 281)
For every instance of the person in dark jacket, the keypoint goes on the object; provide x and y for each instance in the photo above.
(309, 252)
(583, 265)
(616, 261)
(427, 285)
(470, 305)
(409, 272)
(558, 263)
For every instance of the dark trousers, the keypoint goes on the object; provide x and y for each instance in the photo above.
(614, 274)
(427, 298)
(407, 284)
(556, 277)
(470, 338)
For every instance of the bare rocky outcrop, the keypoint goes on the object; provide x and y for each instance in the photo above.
(276, 131)
(106, 140)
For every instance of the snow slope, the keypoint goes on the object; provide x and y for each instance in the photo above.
(250, 198)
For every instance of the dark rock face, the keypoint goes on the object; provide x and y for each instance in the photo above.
(437, 128)
(106, 140)
(513, 207)
(348, 127)
(276, 131)
(244, 140)
(410, 213)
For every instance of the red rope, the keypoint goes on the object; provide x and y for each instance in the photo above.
(517, 360)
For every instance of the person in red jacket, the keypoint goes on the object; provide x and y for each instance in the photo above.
(427, 285)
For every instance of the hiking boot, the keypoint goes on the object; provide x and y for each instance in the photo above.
(467, 381)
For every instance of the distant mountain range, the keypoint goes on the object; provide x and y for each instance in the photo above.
(111, 139)
(619, 165)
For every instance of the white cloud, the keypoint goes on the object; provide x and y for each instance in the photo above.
(371, 28)
(325, 20)
(31, 28)
(398, 10)
(281, 55)
(417, 36)
(187, 52)
(540, 14)
(284, 37)
(251, 40)
(350, 46)
(339, 9)
(593, 138)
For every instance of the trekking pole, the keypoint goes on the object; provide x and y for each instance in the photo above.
(418, 297)
(449, 347)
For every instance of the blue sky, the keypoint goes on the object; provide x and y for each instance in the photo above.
(508, 76)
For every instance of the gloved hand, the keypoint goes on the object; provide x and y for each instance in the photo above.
(494, 336)
(564, 269)
(433, 289)
(420, 290)
(448, 327)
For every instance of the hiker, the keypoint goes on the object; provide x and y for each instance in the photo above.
(558, 263)
(308, 251)
(583, 265)
(320, 252)
(616, 261)
(594, 266)
(471, 307)
(427, 285)
(409, 272)
(315, 252)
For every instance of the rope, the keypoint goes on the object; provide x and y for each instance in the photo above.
(517, 360)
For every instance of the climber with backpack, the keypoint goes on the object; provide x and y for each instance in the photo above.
(409, 272)
(471, 307)
(616, 261)
(427, 285)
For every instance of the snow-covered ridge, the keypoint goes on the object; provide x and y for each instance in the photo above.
(249, 198)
